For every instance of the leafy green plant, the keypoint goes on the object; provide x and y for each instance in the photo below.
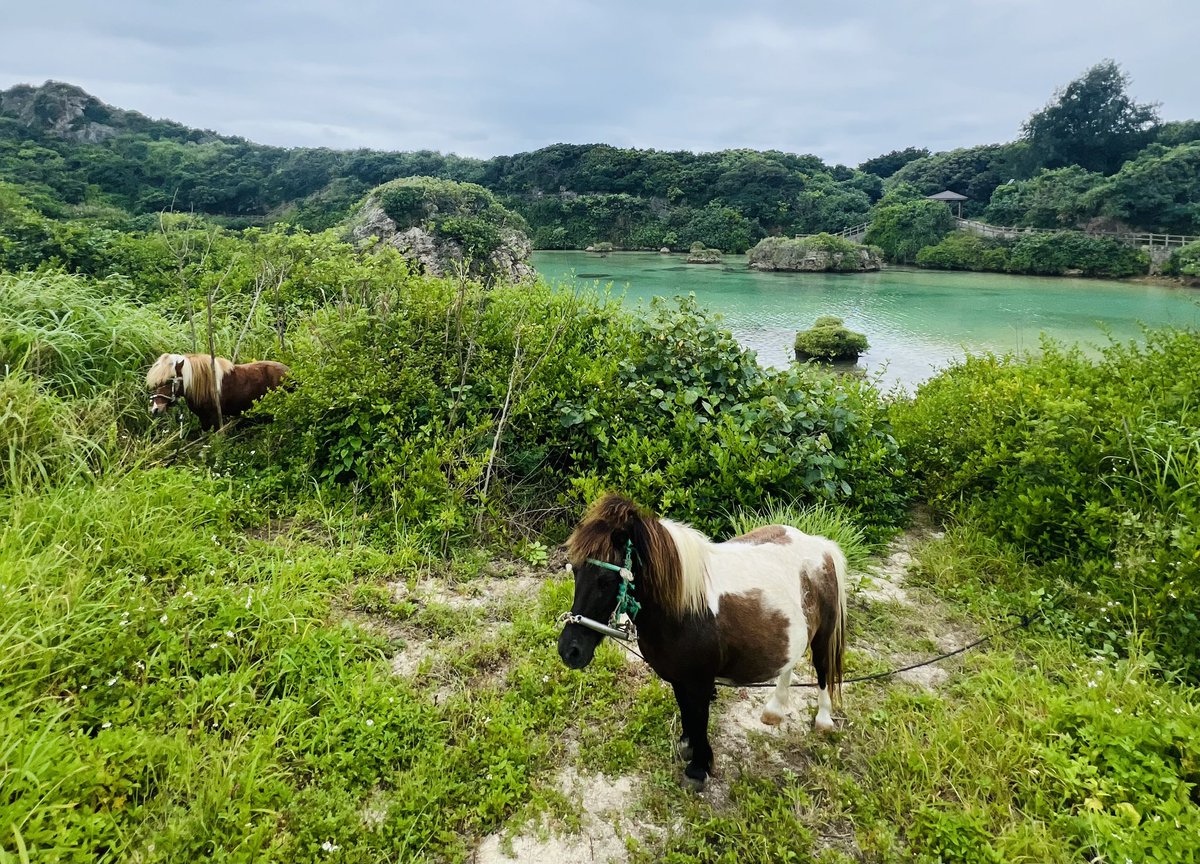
(1088, 466)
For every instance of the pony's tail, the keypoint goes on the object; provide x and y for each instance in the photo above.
(833, 630)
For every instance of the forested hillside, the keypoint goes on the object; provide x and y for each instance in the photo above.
(1091, 156)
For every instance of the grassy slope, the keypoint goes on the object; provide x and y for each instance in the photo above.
(180, 681)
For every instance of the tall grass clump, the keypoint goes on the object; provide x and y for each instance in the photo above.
(821, 519)
(40, 442)
(1089, 467)
(78, 335)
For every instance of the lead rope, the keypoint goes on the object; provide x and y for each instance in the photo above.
(1025, 621)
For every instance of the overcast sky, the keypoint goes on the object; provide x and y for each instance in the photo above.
(843, 80)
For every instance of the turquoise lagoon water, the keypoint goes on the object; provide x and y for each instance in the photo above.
(917, 321)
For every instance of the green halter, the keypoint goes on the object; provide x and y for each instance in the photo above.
(627, 604)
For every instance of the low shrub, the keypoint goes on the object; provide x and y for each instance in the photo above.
(964, 251)
(1089, 467)
(1184, 261)
(1058, 253)
(537, 399)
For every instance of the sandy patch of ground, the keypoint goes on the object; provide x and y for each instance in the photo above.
(605, 824)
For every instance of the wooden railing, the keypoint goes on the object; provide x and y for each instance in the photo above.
(852, 231)
(983, 229)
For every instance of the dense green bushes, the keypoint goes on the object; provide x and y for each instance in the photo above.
(1040, 254)
(904, 228)
(963, 251)
(1089, 467)
(1056, 254)
(1184, 261)
(540, 398)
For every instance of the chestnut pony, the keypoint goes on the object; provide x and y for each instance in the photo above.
(190, 376)
(741, 612)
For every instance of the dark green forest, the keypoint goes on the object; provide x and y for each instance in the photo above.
(1092, 157)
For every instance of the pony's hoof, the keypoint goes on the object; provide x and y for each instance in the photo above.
(771, 718)
(823, 724)
(693, 784)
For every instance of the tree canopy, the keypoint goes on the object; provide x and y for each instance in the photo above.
(1092, 123)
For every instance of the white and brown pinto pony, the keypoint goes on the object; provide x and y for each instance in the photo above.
(190, 377)
(744, 611)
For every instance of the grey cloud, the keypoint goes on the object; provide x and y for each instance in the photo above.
(845, 81)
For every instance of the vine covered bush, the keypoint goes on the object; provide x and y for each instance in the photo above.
(1089, 467)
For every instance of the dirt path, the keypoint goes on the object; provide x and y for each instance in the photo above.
(892, 624)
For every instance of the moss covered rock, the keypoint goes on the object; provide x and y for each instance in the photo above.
(829, 340)
(443, 225)
(818, 253)
(815, 253)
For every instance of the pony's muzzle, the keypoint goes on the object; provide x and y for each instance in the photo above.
(577, 646)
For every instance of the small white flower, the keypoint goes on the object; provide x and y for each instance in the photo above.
(229, 634)
(1091, 684)
(1116, 710)
(370, 722)
(163, 619)
(329, 846)
(84, 687)
(140, 664)
(545, 678)
(212, 644)
(106, 725)
(391, 698)
(112, 681)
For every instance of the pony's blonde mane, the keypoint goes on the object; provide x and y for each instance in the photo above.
(692, 549)
(199, 385)
(671, 558)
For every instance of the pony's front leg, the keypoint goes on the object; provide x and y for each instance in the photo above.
(774, 713)
(693, 702)
(684, 748)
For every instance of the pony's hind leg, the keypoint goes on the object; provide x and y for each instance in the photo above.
(776, 709)
(820, 657)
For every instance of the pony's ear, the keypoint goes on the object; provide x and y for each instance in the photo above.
(179, 366)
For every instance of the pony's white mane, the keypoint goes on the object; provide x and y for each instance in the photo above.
(692, 548)
(163, 369)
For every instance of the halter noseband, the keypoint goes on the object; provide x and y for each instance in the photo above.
(627, 605)
(176, 383)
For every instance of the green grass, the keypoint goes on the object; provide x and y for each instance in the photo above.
(195, 666)
(825, 520)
